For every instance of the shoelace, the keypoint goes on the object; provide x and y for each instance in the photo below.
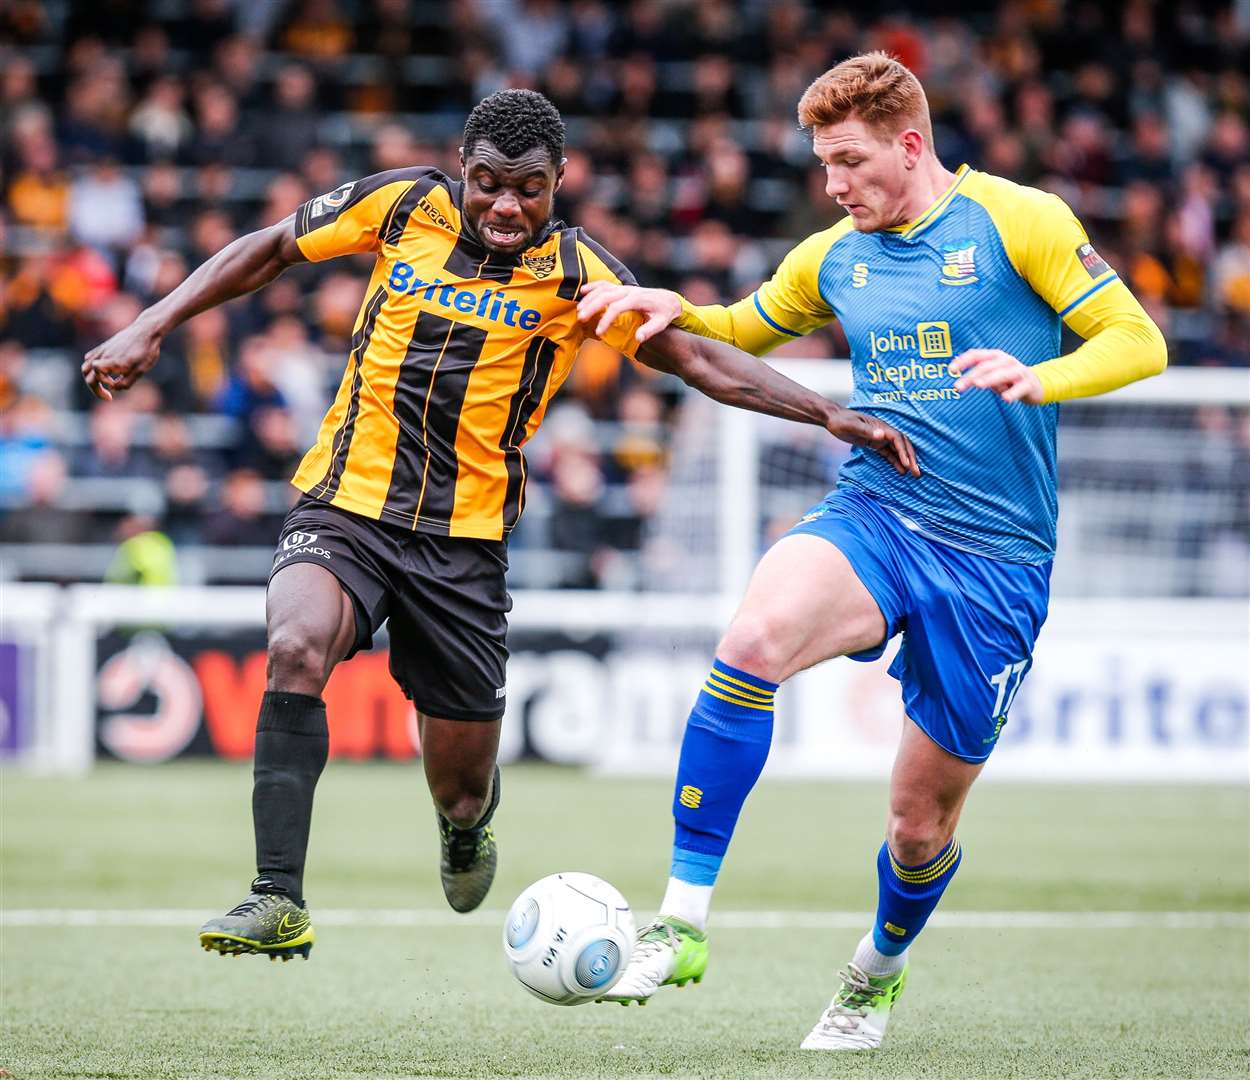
(463, 845)
(254, 902)
(647, 946)
(851, 1002)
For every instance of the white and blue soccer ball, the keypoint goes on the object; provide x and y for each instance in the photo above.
(568, 938)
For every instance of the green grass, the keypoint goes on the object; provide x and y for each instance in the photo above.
(436, 1001)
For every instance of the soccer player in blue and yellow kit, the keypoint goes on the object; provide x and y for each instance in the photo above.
(952, 289)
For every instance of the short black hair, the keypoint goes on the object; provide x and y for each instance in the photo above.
(516, 121)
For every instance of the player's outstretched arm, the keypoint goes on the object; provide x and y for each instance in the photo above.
(240, 267)
(733, 377)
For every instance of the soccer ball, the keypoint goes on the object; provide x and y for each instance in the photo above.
(568, 938)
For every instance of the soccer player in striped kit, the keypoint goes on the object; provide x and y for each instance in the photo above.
(467, 328)
(953, 288)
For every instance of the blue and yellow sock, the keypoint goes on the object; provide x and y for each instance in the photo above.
(907, 895)
(722, 754)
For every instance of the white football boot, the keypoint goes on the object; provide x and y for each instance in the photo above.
(669, 952)
(857, 1015)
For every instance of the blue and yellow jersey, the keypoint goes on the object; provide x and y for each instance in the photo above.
(990, 265)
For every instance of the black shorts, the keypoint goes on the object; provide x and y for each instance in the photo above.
(445, 597)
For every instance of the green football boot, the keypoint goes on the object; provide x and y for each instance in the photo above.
(266, 923)
(469, 857)
(669, 952)
(857, 1015)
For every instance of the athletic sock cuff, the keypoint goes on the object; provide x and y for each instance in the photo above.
(944, 862)
(735, 704)
(294, 714)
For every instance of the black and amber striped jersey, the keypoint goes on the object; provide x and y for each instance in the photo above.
(455, 355)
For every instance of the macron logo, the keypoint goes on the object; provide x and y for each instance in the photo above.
(491, 304)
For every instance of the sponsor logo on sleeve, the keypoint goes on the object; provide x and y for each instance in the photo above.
(331, 200)
(1095, 265)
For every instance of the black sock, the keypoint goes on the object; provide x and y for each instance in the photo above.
(292, 743)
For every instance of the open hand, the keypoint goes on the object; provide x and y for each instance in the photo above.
(859, 429)
(658, 306)
(121, 361)
(993, 369)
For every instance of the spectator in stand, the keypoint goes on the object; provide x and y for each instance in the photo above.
(111, 452)
(38, 195)
(1231, 273)
(317, 29)
(160, 124)
(242, 520)
(94, 123)
(271, 447)
(106, 209)
(291, 127)
(19, 89)
(576, 525)
(250, 386)
(219, 136)
(43, 518)
(200, 355)
(144, 556)
(236, 63)
(25, 428)
(184, 473)
(533, 34)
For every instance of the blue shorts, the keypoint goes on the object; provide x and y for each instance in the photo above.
(968, 622)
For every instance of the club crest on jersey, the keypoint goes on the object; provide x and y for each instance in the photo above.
(959, 265)
(540, 265)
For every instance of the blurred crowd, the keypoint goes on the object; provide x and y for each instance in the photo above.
(138, 138)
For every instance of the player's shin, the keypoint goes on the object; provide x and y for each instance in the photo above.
(906, 897)
(292, 743)
(722, 754)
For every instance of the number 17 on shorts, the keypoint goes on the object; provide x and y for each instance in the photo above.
(1006, 683)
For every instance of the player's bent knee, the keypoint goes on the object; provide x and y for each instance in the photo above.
(758, 643)
(298, 660)
(915, 840)
(462, 808)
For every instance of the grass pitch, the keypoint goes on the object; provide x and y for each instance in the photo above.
(143, 855)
